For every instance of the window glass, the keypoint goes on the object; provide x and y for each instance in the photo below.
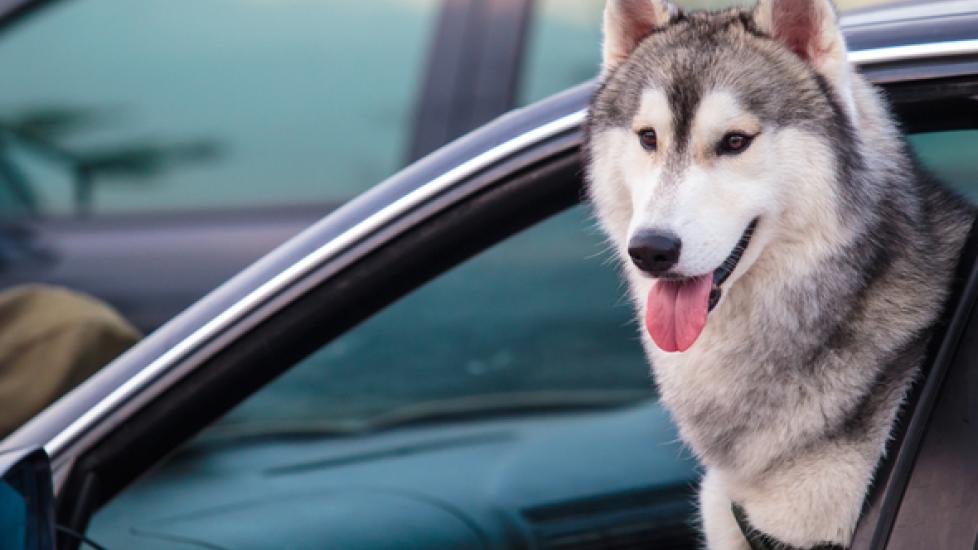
(180, 104)
(563, 48)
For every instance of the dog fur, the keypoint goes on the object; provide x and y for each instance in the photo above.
(789, 394)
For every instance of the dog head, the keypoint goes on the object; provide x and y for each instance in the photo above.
(711, 134)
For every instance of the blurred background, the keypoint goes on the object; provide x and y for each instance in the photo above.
(151, 149)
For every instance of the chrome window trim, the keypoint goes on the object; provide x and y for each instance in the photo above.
(907, 12)
(911, 52)
(362, 230)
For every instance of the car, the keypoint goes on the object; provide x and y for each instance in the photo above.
(446, 362)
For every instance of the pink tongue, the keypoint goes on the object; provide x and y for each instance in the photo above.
(677, 311)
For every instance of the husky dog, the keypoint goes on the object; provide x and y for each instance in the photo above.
(788, 257)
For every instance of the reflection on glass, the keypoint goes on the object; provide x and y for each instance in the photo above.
(43, 135)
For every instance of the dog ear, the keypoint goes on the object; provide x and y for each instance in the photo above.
(809, 28)
(627, 23)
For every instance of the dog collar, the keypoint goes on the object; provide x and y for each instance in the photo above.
(760, 541)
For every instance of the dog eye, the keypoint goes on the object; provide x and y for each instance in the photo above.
(734, 143)
(648, 139)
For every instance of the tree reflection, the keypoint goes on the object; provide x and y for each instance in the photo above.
(46, 131)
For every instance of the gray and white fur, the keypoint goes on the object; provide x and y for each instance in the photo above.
(789, 393)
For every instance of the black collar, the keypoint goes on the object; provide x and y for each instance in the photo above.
(760, 541)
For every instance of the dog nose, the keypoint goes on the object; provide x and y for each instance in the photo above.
(654, 252)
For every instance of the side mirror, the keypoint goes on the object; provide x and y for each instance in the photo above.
(26, 501)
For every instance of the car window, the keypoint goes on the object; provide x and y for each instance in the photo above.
(562, 48)
(167, 105)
